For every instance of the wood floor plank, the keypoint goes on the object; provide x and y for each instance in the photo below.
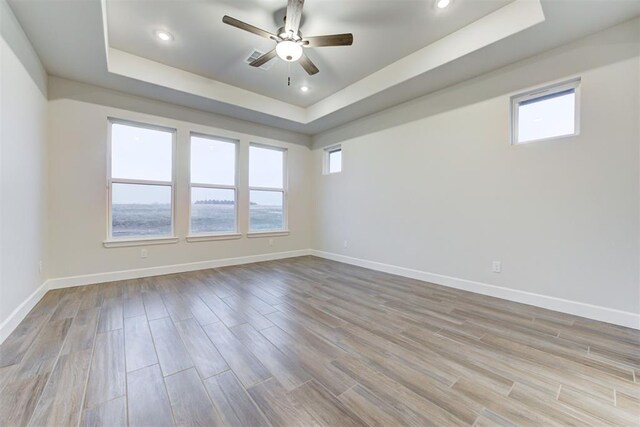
(419, 409)
(111, 315)
(222, 311)
(171, 352)
(286, 370)
(489, 419)
(603, 410)
(139, 348)
(324, 407)
(232, 401)
(244, 364)
(508, 409)
(19, 398)
(91, 298)
(174, 302)
(82, 332)
(201, 312)
(153, 304)
(112, 413)
(254, 318)
(133, 303)
(16, 345)
(628, 404)
(248, 298)
(373, 410)
(68, 305)
(7, 374)
(549, 406)
(208, 361)
(189, 400)
(307, 341)
(61, 400)
(107, 373)
(307, 350)
(148, 402)
(278, 407)
(43, 352)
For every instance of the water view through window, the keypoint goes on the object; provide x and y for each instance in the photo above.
(140, 210)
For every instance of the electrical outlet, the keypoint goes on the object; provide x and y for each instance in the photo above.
(144, 253)
(496, 267)
(270, 242)
(345, 244)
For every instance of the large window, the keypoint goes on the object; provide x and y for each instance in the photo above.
(546, 113)
(213, 185)
(140, 181)
(267, 188)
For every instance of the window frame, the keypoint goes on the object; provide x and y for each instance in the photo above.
(326, 159)
(112, 241)
(540, 92)
(284, 190)
(224, 234)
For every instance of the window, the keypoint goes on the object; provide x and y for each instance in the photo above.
(551, 112)
(267, 195)
(333, 160)
(140, 180)
(213, 185)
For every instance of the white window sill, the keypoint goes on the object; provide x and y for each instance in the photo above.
(121, 243)
(213, 237)
(274, 233)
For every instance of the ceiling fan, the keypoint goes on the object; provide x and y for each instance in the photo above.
(289, 41)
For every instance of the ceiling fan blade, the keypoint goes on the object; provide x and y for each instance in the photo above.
(247, 27)
(332, 40)
(294, 15)
(264, 59)
(308, 66)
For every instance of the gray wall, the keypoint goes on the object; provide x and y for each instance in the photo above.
(434, 185)
(23, 166)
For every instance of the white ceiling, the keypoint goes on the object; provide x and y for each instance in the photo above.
(69, 36)
(384, 31)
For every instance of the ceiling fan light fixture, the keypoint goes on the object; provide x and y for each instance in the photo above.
(441, 4)
(288, 50)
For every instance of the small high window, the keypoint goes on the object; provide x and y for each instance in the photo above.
(333, 160)
(546, 113)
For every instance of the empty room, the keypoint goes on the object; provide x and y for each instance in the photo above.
(319, 213)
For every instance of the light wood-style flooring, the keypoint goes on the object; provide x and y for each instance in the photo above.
(304, 342)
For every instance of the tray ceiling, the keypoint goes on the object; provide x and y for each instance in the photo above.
(402, 49)
(384, 31)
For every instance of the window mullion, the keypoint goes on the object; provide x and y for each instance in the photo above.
(139, 182)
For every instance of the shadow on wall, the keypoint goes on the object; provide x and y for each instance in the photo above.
(610, 46)
(15, 38)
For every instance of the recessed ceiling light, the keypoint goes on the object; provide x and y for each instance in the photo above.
(304, 88)
(441, 4)
(164, 35)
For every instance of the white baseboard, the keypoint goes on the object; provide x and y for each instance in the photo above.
(589, 311)
(14, 319)
(90, 279)
(603, 314)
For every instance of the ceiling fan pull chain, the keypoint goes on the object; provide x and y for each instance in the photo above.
(289, 73)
